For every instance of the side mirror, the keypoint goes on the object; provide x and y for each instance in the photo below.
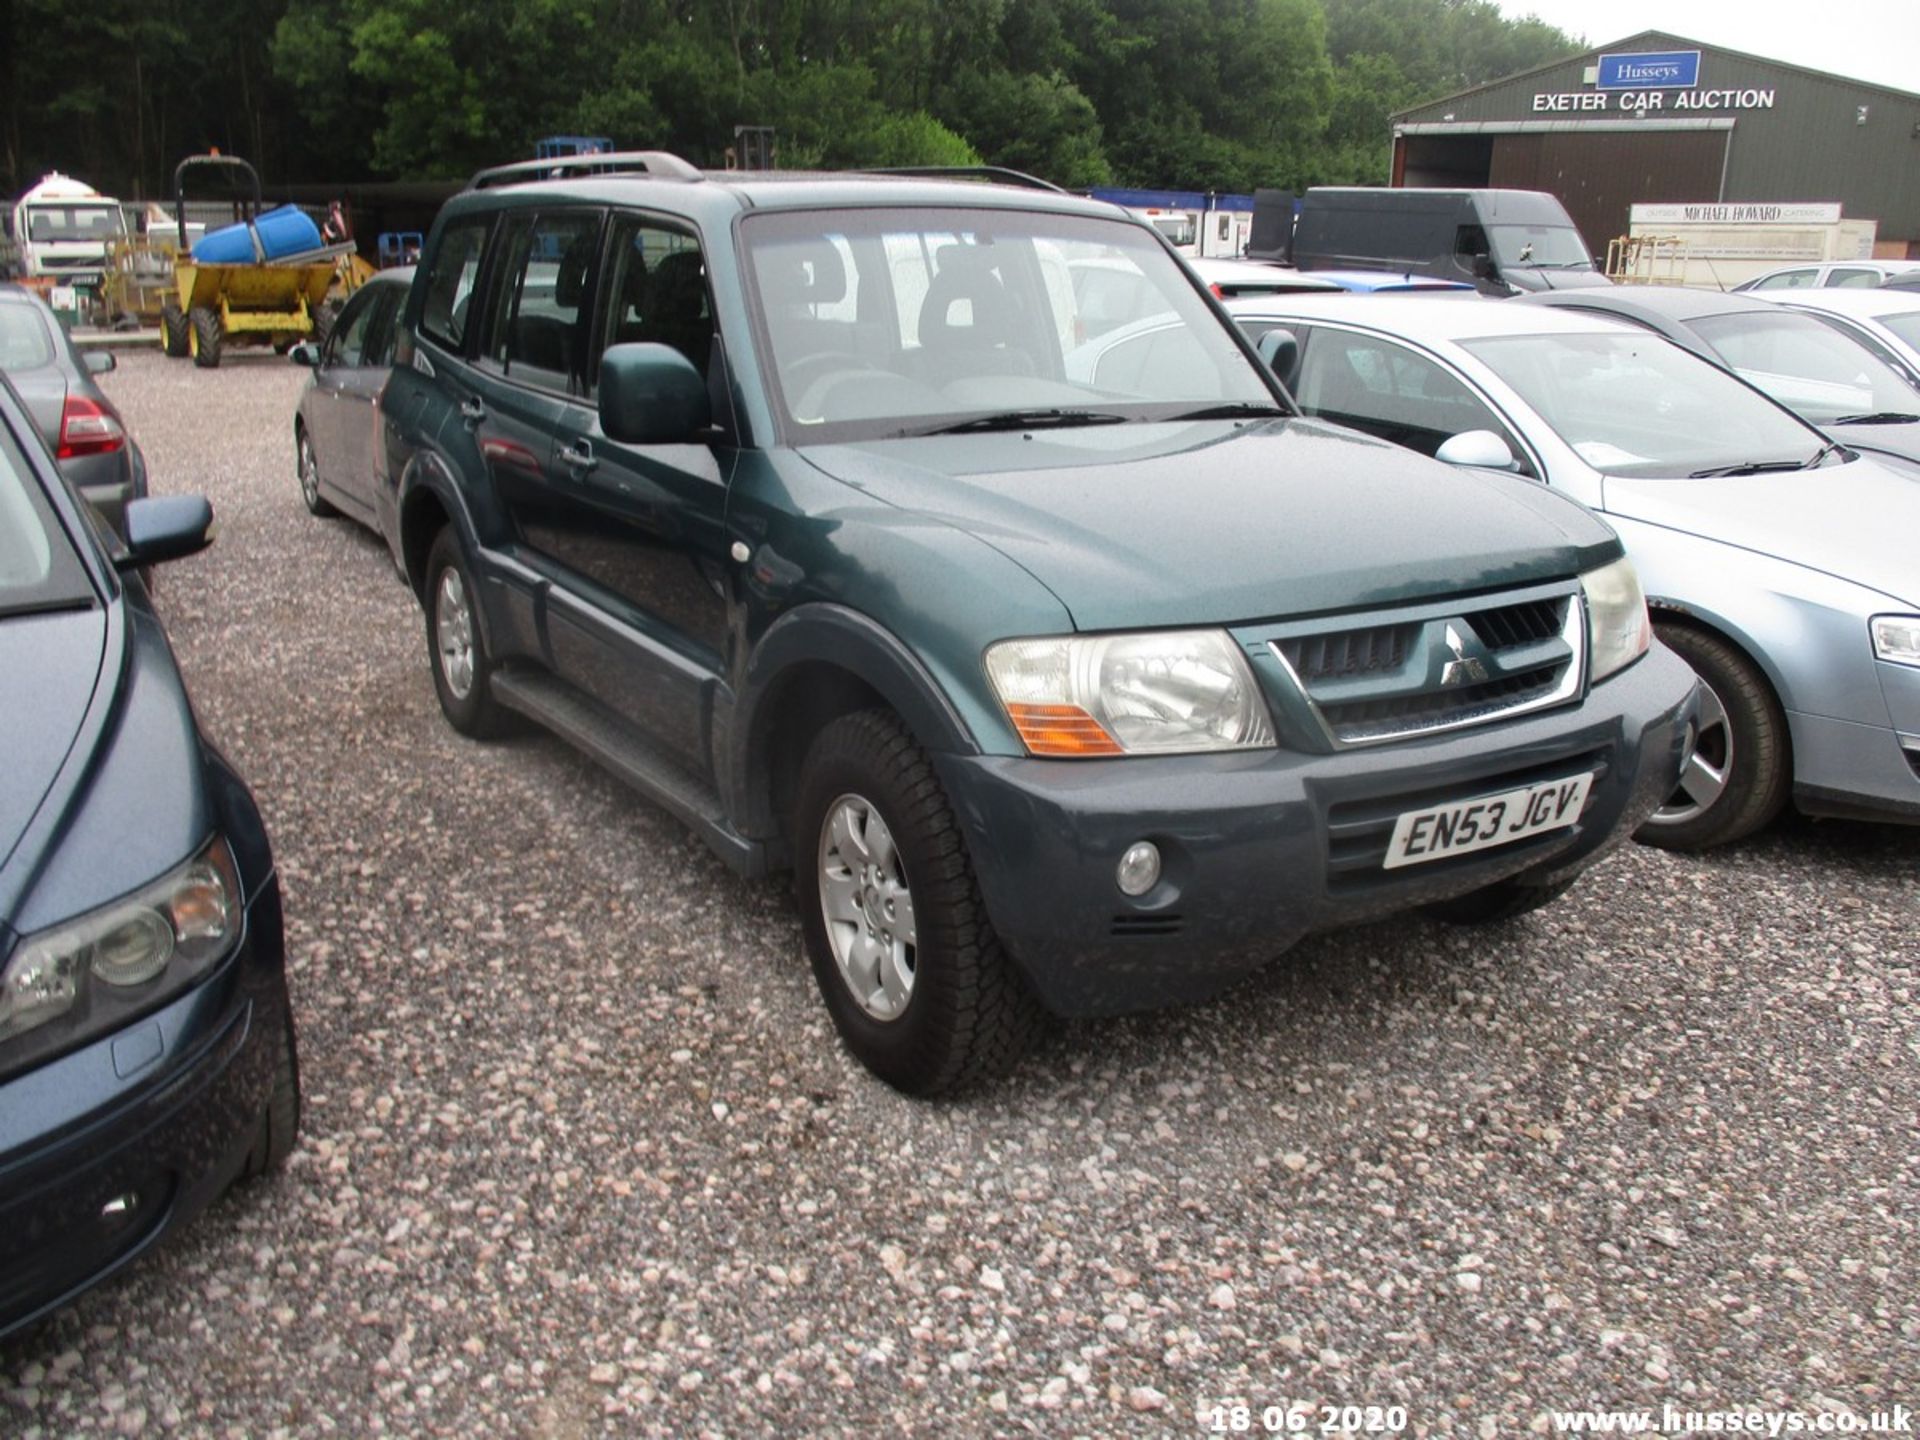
(99, 362)
(650, 394)
(165, 527)
(1280, 348)
(1483, 267)
(305, 353)
(1478, 450)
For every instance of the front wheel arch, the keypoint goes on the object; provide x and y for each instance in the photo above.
(814, 664)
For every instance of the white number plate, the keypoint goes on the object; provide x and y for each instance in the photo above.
(1422, 835)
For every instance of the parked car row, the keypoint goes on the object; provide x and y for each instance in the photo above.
(1076, 649)
(591, 470)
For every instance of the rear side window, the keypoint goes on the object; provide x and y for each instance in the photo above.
(540, 300)
(349, 340)
(1389, 391)
(23, 339)
(456, 266)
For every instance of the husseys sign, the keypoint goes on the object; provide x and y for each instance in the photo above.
(1667, 81)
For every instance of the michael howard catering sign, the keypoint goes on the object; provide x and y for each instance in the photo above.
(1669, 70)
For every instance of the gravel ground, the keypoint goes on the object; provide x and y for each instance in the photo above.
(581, 1154)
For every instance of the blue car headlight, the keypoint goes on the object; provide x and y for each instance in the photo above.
(140, 948)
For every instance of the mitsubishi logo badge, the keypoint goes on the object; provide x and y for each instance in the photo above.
(1463, 669)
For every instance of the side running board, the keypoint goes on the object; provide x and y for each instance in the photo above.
(586, 725)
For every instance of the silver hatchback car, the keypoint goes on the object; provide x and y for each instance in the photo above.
(82, 428)
(1780, 564)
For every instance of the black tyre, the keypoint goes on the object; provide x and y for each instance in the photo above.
(280, 1122)
(174, 339)
(1741, 768)
(456, 644)
(1503, 900)
(901, 946)
(308, 469)
(205, 323)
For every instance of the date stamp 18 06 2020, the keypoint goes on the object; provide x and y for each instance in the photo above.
(1229, 1418)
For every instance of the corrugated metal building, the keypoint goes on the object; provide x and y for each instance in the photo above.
(1662, 119)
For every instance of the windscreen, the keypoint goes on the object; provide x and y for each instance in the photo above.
(1548, 247)
(1906, 325)
(898, 322)
(1816, 372)
(58, 224)
(1638, 405)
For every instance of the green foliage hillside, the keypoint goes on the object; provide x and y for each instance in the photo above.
(1222, 94)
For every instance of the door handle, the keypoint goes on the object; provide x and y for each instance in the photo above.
(579, 457)
(473, 410)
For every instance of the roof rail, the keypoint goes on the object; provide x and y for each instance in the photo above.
(624, 162)
(995, 174)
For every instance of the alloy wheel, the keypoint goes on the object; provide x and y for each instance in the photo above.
(868, 907)
(1704, 780)
(453, 632)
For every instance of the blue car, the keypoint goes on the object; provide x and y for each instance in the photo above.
(146, 1043)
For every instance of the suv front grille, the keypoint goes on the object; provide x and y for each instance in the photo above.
(1373, 678)
(1352, 652)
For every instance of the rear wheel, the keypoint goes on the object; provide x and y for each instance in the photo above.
(309, 469)
(205, 322)
(174, 338)
(456, 645)
(896, 930)
(1739, 775)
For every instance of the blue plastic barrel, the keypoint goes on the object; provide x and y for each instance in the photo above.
(286, 231)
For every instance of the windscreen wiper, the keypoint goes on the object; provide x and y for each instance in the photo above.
(1234, 410)
(1027, 420)
(1878, 417)
(1760, 467)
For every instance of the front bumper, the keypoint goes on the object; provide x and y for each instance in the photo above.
(1846, 769)
(1263, 848)
(115, 1145)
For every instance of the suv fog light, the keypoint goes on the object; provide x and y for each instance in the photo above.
(1139, 869)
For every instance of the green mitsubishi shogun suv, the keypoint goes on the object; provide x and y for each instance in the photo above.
(1065, 676)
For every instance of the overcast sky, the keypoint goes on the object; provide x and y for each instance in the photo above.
(1877, 40)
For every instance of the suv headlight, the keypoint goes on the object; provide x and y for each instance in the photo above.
(1896, 638)
(1618, 627)
(1156, 693)
(136, 949)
